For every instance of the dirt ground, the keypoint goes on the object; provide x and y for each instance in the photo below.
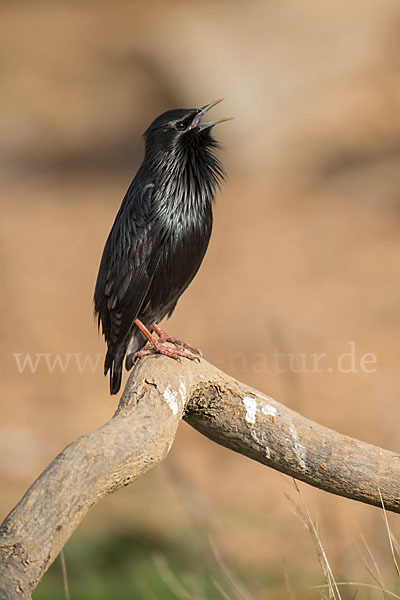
(304, 256)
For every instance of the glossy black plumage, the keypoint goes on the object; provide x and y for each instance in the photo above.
(160, 234)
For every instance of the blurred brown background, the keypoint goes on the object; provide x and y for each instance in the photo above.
(304, 257)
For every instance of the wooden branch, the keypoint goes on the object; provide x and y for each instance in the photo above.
(138, 437)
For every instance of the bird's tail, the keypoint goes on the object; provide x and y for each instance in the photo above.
(113, 363)
(115, 358)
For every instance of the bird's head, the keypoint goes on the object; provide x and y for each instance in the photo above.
(177, 131)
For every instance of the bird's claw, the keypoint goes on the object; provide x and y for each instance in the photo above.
(180, 343)
(159, 348)
(165, 338)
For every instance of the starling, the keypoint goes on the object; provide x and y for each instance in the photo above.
(158, 240)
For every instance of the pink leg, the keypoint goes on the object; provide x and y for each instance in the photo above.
(164, 337)
(156, 347)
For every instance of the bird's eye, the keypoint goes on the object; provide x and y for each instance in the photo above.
(181, 125)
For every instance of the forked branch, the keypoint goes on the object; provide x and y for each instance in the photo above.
(158, 394)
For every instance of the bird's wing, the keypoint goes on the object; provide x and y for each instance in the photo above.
(129, 261)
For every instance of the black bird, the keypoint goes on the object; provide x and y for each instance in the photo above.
(158, 239)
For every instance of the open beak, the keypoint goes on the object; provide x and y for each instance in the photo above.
(202, 111)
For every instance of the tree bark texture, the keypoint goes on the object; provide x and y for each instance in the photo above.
(160, 392)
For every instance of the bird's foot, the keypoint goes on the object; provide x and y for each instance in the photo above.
(155, 347)
(164, 337)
